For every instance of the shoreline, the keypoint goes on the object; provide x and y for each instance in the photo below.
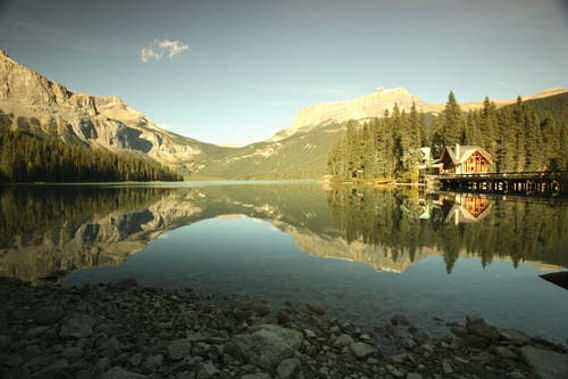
(121, 330)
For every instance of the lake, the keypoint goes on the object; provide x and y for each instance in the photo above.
(365, 253)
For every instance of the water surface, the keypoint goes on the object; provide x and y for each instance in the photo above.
(366, 253)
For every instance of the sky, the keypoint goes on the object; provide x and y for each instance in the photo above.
(239, 70)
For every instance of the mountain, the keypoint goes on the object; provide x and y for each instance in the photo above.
(34, 104)
(31, 103)
(301, 150)
(375, 104)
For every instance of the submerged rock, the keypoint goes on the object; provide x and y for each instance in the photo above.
(317, 308)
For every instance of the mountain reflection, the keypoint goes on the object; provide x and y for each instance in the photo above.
(54, 230)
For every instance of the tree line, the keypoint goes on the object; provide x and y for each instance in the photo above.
(27, 158)
(520, 137)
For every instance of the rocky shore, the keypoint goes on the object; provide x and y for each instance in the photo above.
(120, 330)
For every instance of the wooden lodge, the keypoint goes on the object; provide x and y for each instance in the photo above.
(465, 160)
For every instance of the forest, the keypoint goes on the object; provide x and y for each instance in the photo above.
(27, 158)
(525, 136)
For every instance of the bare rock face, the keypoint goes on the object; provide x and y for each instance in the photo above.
(374, 105)
(42, 106)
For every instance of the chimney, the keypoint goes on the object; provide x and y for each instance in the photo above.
(457, 151)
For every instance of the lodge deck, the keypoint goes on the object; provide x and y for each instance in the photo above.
(527, 183)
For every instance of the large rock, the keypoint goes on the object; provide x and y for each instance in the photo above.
(267, 345)
(514, 336)
(477, 326)
(546, 364)
(361, 349)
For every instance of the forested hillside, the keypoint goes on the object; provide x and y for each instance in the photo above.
(526, 136)
(25, 158)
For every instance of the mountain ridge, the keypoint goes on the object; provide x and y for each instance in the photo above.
(44, 107)
(41, 106)
(376, 103)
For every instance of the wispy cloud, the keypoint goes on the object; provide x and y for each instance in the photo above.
(160, 48)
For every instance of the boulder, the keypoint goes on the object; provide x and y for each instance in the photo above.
(267, 345)
(361, 349)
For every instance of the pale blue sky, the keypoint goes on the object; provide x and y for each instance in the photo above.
(254, 63)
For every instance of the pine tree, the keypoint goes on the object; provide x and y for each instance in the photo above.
(452, 123)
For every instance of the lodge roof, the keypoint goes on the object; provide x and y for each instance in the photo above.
(465, 151)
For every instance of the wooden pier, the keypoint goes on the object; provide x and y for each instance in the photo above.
(538, 183)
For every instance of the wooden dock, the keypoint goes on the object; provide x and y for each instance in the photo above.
(538, 183)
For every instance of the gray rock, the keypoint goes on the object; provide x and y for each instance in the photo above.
(361, 349)
(514, 336)
(317, 308)
(447, 367)
(517, 375)
(153, 363)
(258, 375)
(309, 333)
(78, 327)
(207, 370)
(266, 345)
(413, 375)
(101, 366)
(53, 370)
(395, 371)
(503, 352)
(179, 349)
(110, 347)
(35, 332)
(72, 352)
(135, 359)
(119, 373)
(343, 340)
(289, 368)
(546, 364)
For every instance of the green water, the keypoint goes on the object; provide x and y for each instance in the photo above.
(366, 253)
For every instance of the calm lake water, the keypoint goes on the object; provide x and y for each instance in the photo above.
(365, 253)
